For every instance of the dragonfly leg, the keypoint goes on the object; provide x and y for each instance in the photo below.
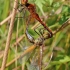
(36, 32)
(41, 31)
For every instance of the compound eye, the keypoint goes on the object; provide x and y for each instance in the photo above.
(24, 1)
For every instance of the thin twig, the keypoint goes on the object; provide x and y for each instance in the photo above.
(9, 17)
(41, 56)
(65, 24)
(1, 54)
(19, 39)
(17, 68)
(9, 36)
(31, 48)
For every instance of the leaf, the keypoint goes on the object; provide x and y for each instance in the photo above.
(66, 59)
(65, 9)
(40, 3)
(50, 2)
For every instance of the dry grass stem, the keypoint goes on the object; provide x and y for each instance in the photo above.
(9, 37)
(65, 24)
(41, 57)
(1, 54)
(17, 68)
(31, 48)
(8, 18)
(19, 39)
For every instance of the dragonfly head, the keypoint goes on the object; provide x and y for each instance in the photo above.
(23, 2)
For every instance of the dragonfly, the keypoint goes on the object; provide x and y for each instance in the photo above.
(33, 14)
(32, 10)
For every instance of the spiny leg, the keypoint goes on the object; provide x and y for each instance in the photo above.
(36, 32)
(39, 32)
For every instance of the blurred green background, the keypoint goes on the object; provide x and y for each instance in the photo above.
(52, 12)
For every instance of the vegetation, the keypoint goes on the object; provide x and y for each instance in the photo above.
(22, 54)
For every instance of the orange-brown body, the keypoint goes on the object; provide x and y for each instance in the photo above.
(31, 9)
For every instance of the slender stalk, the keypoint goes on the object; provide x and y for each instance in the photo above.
(41, 56)
(65, 24)
(9, 17)
(31, 48)
(9, 37)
